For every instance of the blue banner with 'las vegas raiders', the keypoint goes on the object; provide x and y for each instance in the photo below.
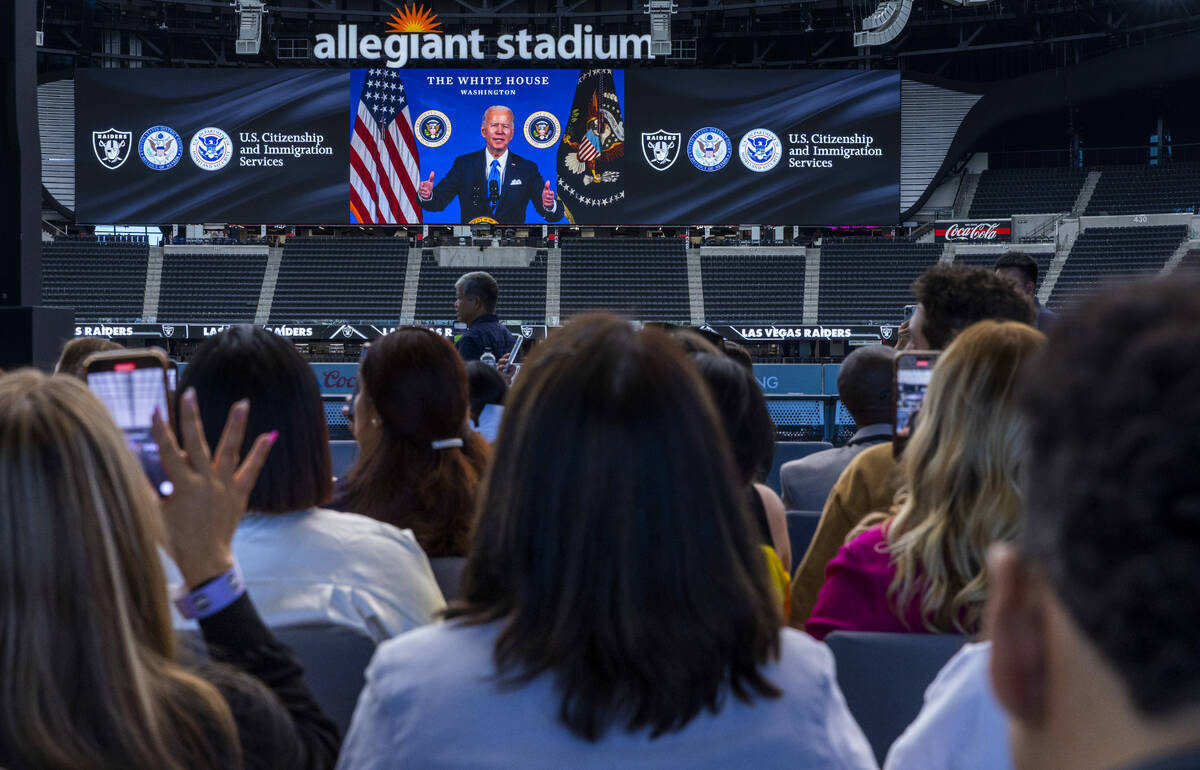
(508, 146)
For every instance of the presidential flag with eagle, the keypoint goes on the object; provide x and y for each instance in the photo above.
(590, 155)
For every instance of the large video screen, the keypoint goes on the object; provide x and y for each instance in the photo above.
(509, 146)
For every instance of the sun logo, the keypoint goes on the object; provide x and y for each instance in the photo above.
(414, 20)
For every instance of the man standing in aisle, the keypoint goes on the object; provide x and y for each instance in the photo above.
(475, 305)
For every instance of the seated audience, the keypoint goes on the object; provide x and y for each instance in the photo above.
(922, 570)
(76, 351)
(1094, 613)
(949, 299)
(616, 608)
(747, 423)
(420, 464)
(864, 385)
(305, 564)
(487, 388)
(88, 670)
(1022, 270)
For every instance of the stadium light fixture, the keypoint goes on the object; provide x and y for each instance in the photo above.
(250, 16)
(660, 25)
(885, 23)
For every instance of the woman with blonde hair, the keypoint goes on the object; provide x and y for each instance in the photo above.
(923, 569)
(88, 671)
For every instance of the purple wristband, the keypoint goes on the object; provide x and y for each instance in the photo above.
(213, 596)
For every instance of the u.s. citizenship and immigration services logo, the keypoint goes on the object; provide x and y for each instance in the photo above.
(112, 147)
(542, 130)
(760, 150)
(433, 128)
(211, 149)
(160, 148)
(709, 149)
(660, 148)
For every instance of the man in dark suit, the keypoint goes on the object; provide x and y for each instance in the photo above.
(492, 183)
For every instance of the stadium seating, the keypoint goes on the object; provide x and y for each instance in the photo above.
(1004, 192)
(1042, 259)
(1190, 262)
(522, 290)
(867, 280)
(340, 279)
(208, 286)
(1146, 189)
(643, 278)
(884, 677)
(753, 288)
(786, 451)
(102, 280)
(1102, 254)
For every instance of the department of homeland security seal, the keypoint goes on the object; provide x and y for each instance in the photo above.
(160, 148)
(542, 130)
(433, 128)
(709, 149)
(211, 149)
(760, 150)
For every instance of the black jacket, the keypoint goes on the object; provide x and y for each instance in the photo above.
(485, 332)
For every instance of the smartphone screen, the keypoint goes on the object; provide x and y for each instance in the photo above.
(516, 349)
(132, 387)
(913, 372)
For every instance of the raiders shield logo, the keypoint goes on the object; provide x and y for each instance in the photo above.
(112, 147)
(660, 148)
(886, 331)
(526, 331)
(168, 330)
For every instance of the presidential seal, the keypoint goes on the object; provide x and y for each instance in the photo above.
(433, 128)
(112, 147)
(542, 130)
(660, 148)
(709, 149)
(211, 149)
(160, 148)
(760, 150)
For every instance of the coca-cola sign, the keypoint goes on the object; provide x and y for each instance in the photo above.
(989, 231)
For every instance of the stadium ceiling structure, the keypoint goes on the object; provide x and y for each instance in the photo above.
(964, 40)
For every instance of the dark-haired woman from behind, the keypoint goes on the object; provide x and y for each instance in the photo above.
(487, 389)
(420, 464)
(304, 563)
(751, 433)
(616, 608)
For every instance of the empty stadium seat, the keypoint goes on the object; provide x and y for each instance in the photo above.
(522, 290)
(884, 677)
(101, 280)
(210, 286)
(753, 288)
(1144, 189)
(356, 280)
(867, 280)
(643, 278)
(1102, 254)
(801, 526)
(1004, 192)
(791, 450)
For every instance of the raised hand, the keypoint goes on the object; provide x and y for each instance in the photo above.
(547, 197)
(211, 491)
(425, 189)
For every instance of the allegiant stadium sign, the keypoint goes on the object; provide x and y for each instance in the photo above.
(415, 35)
(397, 50)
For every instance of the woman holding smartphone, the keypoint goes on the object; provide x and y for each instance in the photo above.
(88, 667)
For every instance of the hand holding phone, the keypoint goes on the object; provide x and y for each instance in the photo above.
(133, 385)
(912, 373)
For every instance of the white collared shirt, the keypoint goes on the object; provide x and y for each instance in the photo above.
(487, 165)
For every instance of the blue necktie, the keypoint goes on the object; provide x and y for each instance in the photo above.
(494, 176)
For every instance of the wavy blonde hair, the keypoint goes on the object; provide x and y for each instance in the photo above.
(87, 671)
(960, 493)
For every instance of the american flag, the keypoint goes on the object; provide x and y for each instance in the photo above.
(383, 154)
(589, 148)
